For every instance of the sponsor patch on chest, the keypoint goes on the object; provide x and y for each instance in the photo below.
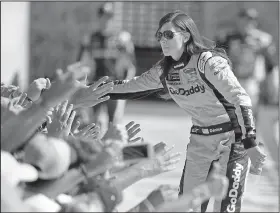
(191, 75)
(187, 92)
(174, 76)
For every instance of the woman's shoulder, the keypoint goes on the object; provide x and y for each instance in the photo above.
(202, 59)
(210, 57)
(158, 65)
(211, 53)
(155, 70)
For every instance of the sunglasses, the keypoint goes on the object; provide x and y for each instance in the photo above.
(168, 34)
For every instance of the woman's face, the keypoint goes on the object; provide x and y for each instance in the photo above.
(173, 45)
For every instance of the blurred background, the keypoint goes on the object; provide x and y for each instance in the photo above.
(39, 37)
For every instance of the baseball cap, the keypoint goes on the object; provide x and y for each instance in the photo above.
(251, 13)
(106, 9)
(52, 156)
(16, 172)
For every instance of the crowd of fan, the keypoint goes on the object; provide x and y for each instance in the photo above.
(49, 162)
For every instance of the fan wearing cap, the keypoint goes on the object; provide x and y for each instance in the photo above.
(50, 156)
(252, 52)
(111, 53)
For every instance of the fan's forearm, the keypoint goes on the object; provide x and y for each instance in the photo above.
(127, 177)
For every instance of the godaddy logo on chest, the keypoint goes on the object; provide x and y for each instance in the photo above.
(233, 192)
(187, 92)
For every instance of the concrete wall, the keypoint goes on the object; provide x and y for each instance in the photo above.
(15, 42)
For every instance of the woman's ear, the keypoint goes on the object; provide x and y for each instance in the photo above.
(186, 37)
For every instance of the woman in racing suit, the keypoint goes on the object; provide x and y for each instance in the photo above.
(198, 77)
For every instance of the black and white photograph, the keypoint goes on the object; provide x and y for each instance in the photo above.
(140, 106)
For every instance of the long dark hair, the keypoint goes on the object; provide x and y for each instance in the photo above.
(195, 45)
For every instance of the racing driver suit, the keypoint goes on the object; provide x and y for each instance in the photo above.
(223, 127)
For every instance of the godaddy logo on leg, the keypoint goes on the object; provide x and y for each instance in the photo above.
(233, 193)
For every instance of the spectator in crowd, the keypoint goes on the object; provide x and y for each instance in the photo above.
(253, 55)
(110, 52)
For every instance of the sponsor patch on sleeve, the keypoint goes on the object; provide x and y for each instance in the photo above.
(217, 64)
(203, 58)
